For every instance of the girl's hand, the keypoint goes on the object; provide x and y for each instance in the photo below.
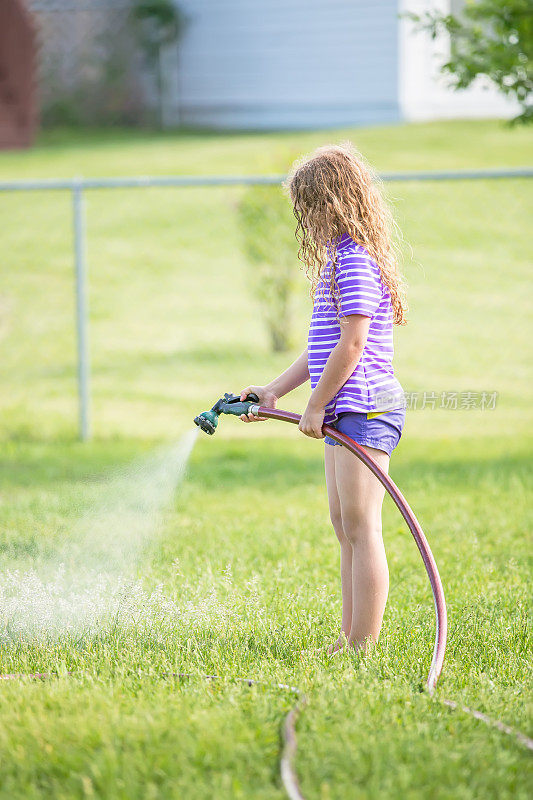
(312, 421)
(266, 398)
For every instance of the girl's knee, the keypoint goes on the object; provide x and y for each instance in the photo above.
(336, 520)
(358, 528)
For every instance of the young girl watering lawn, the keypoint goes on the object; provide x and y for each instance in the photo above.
(345, 233)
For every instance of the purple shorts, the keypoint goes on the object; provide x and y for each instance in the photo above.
(382, 432)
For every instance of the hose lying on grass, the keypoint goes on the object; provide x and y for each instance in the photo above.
(208, 421)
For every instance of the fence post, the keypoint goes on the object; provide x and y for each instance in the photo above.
(78, 211)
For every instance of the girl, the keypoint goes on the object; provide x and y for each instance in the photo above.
(345, 232)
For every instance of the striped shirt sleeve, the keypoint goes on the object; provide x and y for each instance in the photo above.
(360, 289)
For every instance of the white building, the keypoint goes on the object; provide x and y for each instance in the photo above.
(281, 64)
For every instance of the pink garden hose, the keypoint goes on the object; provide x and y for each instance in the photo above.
(434, 579)
(412, 523)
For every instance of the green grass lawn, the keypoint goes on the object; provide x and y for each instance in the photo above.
(245, 554)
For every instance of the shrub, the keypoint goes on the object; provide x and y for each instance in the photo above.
(267, 227)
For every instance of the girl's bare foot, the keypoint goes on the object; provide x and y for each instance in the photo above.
(339, 646)
(335, 647)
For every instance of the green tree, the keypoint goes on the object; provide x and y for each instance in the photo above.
(267, 226)
(492, 38)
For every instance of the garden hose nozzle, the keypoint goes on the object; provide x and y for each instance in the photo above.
(207, 421)
(229, 404)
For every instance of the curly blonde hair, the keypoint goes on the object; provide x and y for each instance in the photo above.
(334, 191)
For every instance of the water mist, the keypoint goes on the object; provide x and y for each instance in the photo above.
(92, 577)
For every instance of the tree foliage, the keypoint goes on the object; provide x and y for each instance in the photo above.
(493, 38)
(159, 22)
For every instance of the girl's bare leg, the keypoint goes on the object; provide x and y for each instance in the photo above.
(361, 498)
(345, 546)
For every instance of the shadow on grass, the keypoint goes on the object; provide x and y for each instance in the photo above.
(273, 463)
(259, 464)
(126, 364)
(462, 471)
(280, 463)
(41, 464)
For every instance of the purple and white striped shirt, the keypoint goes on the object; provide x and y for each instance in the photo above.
(372, 386)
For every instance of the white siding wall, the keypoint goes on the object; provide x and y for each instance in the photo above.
(268, 64)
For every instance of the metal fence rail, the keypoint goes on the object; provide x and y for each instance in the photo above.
(78, 185)
(144, 181)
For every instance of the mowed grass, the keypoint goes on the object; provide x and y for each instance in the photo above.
(246, 550)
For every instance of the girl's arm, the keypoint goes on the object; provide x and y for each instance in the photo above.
(294, 376)
(341, 362)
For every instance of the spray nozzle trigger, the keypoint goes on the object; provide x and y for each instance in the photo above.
(229, 404)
